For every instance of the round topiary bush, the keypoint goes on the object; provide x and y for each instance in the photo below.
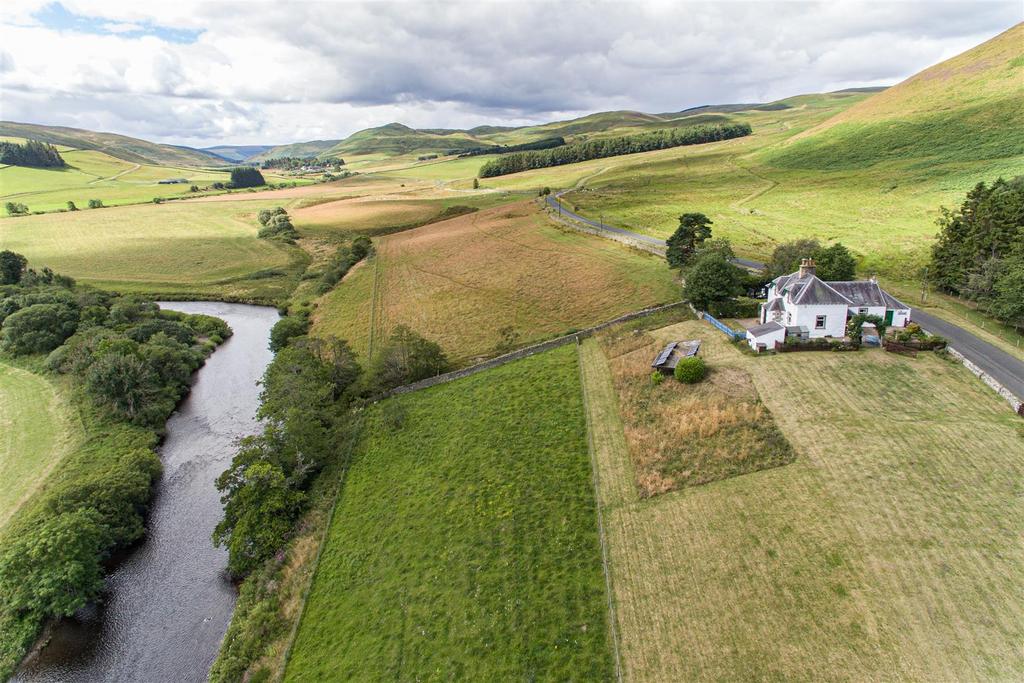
(690, 370)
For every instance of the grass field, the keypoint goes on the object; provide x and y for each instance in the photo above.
(35, 434)
(91, 174)
(890, 549)
(464, 544)
(462, 282)
(206, 249)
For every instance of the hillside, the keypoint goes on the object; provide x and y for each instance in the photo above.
(395, 139)
(965, 108)
(311, 148)
(237, 152)
(118, 146)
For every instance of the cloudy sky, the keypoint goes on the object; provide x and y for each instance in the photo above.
(209, 72)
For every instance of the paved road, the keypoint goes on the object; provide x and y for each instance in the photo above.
(1006, 369)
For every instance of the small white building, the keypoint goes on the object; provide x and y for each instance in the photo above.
(803, 301)
(764, 337)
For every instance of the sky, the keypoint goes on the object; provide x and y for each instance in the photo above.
(224, 72)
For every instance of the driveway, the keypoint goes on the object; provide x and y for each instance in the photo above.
(1003, 367)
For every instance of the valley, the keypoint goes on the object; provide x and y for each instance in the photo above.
(845, 513)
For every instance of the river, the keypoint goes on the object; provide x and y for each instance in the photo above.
(168, 601)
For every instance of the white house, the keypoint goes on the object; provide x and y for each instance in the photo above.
(808, 306)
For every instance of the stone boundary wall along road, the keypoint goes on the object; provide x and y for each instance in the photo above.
(1015, 403)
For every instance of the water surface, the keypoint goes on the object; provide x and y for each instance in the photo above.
(168, 602)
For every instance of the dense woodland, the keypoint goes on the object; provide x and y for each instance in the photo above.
(295, 163)
(246, 176)
(131, 364)
(546, 143)
(610, 147)
(32, 153)
(980, 249)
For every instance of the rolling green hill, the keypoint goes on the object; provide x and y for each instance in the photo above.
(311, 148)
(237, 152)
(967, 108)
(118, 146)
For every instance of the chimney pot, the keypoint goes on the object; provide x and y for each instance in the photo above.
(807, 267)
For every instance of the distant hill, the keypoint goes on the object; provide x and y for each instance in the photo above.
(237, 153)
(119, 146)
(967, 108)
(311, 148)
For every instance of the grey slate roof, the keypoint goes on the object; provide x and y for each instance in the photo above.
(767, 328)
(811, 289)
(775, 305)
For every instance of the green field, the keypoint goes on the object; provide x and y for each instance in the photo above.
(198, 248)
(35, 434)
(890, 549)
(464, 544)
(92, 174)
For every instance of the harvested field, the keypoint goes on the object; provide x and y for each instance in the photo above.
(889, 550)
(474, 281)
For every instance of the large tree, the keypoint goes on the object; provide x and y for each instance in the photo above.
(407, 357)
(835, 263)
(709, 279)
(12, 267)
(693, 230)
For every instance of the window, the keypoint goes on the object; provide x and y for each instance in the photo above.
(819, 322)
(862, 311)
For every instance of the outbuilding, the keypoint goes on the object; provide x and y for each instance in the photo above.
(667, 360)
(764, 337)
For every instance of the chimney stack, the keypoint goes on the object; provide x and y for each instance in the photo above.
(807, 267)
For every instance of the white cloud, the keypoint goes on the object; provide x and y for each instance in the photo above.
(283, 71)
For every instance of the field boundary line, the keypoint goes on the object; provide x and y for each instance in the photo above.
(527, 351)
(613, 618)
(316, 563)
(373, 304)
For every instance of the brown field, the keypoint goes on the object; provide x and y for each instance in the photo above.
(464, 282)
(889, 550)
(687, 435)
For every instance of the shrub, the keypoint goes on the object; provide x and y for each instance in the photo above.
(657, 378)
(407, 357)
(12, 267)
(39, 328)
(285, 329)
(95, 203)
(16, 209)
(690, 370)
(72, 207)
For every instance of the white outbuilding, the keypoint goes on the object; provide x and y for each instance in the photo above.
(764, 337)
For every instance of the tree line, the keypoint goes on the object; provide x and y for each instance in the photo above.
(131, 364)
(546, 143)
(609, 147)
(33, 153)
(980, 249)
(295, 163)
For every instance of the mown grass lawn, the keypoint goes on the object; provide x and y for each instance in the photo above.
(35, 434)
(889, 550)
(464, 542)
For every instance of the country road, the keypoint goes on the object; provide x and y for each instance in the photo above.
(1004, 368)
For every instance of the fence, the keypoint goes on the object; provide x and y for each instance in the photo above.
(733, 334)
(530, 350)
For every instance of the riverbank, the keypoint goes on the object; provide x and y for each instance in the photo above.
(166, 603)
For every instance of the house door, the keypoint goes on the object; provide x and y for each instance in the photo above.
(888, 317)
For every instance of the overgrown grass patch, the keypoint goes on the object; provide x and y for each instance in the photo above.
(686, 435)
(464, 543)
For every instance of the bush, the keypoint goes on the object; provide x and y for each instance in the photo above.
(738, 307)
(285, 329)
(407, 357)
(95, 203)
(16, 209)
(690, 370)
(657, 378)
(39, 328)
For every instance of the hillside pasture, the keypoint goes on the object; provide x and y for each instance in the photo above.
(464, 541)
(468, 281)
(197, 249)
(35, 434)
(889, 550)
